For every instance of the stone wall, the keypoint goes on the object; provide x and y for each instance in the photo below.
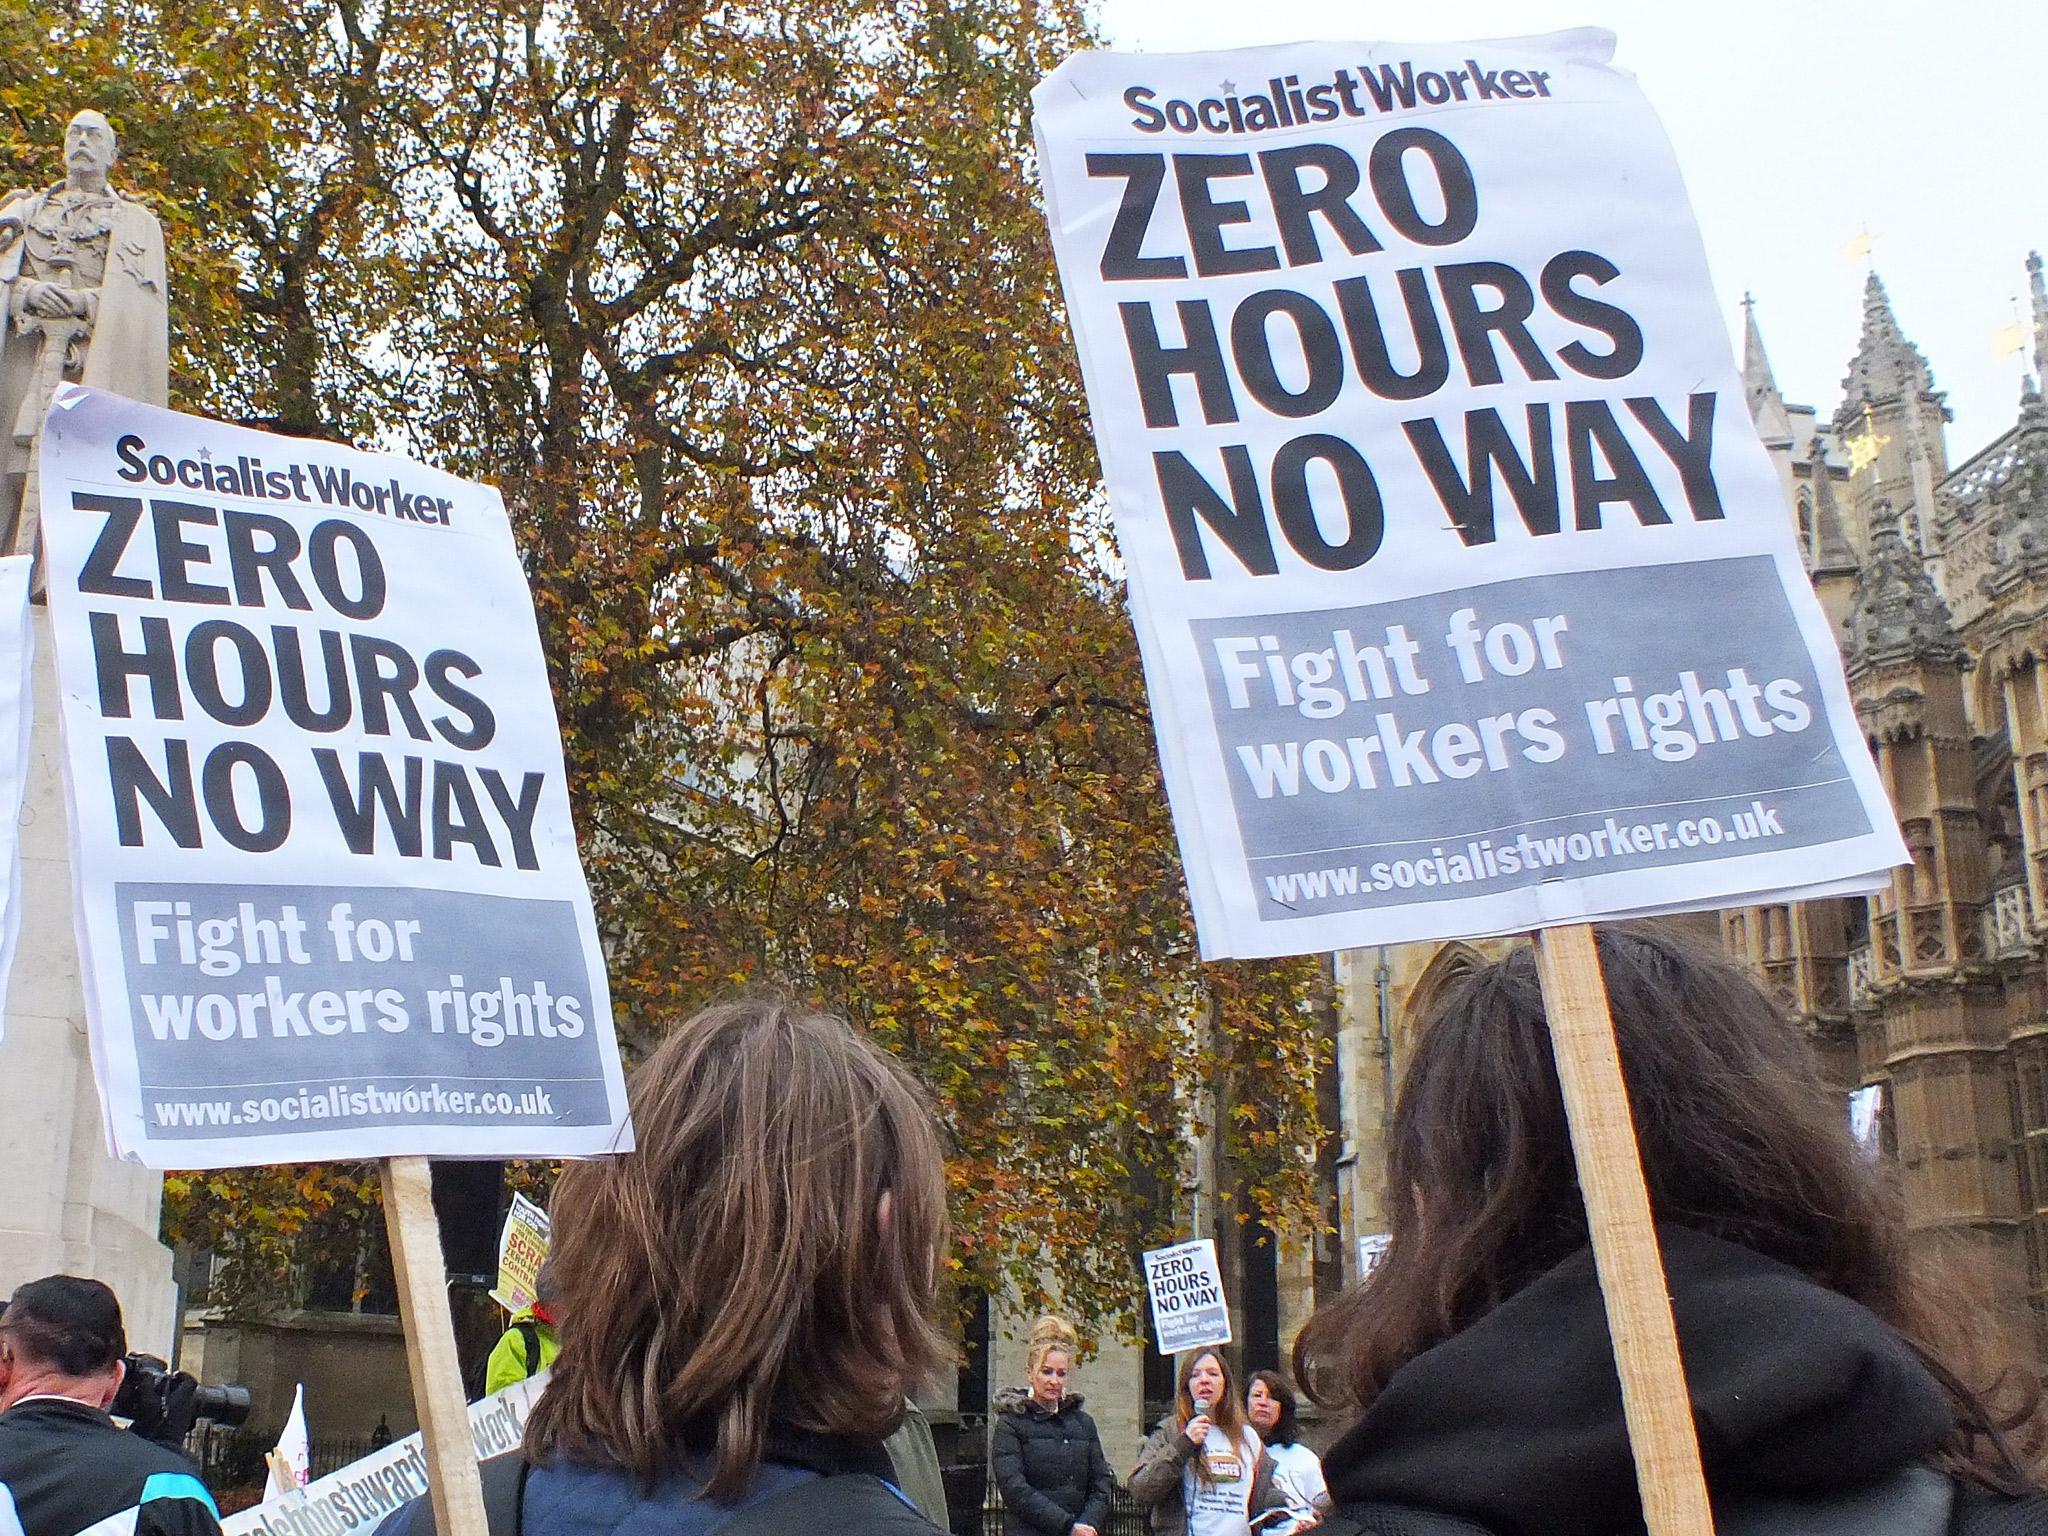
(353, 1368)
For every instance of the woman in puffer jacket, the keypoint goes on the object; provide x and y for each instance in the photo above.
(1047, 1456)
(1833, 1379)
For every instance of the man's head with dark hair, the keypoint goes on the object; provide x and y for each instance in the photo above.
(61, 1336)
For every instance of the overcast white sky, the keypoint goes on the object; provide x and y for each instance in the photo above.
(1797, 126)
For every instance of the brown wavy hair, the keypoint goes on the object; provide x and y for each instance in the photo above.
(768, 1255)
(1740, 1139)
(1225, 1414)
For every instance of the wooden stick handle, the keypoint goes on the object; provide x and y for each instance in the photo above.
(1610, 1168)
(457, 1490)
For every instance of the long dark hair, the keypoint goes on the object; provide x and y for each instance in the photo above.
(1739, 1137)
(768, 1254)
(1285, 1429)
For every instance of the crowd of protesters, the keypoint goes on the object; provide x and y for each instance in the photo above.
(755, 1289)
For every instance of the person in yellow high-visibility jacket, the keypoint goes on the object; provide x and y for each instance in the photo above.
(528, 1345)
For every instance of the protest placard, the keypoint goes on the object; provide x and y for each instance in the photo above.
(1372, 1247)
(363, 1493)
(522, 1249)
(1186, 1286)
(1469, 601)
(17, 716)
(329, 897)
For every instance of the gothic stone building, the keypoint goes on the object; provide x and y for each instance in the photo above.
(1935, 990)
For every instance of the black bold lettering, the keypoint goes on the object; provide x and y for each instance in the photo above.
(1200, 357)
(1251, 343)
(1206, 218)
(1368, 336)
(374, 797)
(1490, 450)
(175, 554)
(1589, 422)
(1691, 451)
(517, 811)
(1240, 522)
(1581, 309)
(223, 806)
(482, 724)
(1294, 205)
(1476, 327)
(321, 549)
(248, 564)
(132, 780)
(458, 818)
(202, 671)
(1143, 176)
(375, 685)
(292, 691)
(124, 515)
(1388, 168)
(114, 665)
(1294, 506)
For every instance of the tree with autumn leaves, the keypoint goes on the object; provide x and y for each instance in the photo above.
(749, 310)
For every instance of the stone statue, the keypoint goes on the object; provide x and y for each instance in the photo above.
(82, 300)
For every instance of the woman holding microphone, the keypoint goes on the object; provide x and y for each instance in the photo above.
(1203, 1471)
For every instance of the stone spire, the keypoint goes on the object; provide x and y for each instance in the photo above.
(1832, 551)
(1886, 365)
(2037, 288)
(1759, 386)
(1899, 616)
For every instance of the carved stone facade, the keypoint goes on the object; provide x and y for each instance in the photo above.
(1937, 580)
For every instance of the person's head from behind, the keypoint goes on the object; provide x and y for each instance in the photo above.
(768, 1254)
(1049, 1358)
(61, 1336)
(1270, 1405)
(1739, 1137)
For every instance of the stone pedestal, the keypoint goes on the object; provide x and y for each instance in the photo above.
(68, 1206)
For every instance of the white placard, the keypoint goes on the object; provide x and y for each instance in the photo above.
(1372, 1248)
(364, 1493)
(1186, 1286)
(1469, 601)
(522, 1249)
(330, 903)
(17, 719)
(1865, 1106)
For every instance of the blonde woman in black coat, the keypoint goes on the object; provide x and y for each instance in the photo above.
(1047, 1456)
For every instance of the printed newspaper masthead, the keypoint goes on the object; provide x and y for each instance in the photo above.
(329, 901)
(1468, 599)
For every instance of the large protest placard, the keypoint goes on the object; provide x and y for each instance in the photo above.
(329, 896)
(17, 717)
(1468, 599)
(1188, 1305)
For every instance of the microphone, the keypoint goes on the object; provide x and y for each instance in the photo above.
(1201, 1407)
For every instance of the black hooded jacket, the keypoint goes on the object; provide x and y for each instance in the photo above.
(1814, 1417)
(1049, 1466)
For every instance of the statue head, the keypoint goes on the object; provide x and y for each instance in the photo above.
(89, 145)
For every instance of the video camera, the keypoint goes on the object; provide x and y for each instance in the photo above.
(162, 1405)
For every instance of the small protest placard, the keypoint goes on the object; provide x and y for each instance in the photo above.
(1372, 1248)
(1866, 1104)
(1188, 1308)
(329, 897)
(522, 1249)
(1469, 600)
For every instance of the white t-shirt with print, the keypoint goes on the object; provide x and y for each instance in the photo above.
(1222, 1506)
(1300, 1476)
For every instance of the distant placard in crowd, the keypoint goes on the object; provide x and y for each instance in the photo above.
(17, 719)
(522, 1249)
(329, 897)
(1469, 600)
(1372, 1248)
(1186, 1286)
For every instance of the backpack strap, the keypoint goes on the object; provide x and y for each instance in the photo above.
(504, 1480)
(529, 1335)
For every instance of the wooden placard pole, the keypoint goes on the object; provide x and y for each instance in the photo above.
(430, 1360)
(1610, 1168)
